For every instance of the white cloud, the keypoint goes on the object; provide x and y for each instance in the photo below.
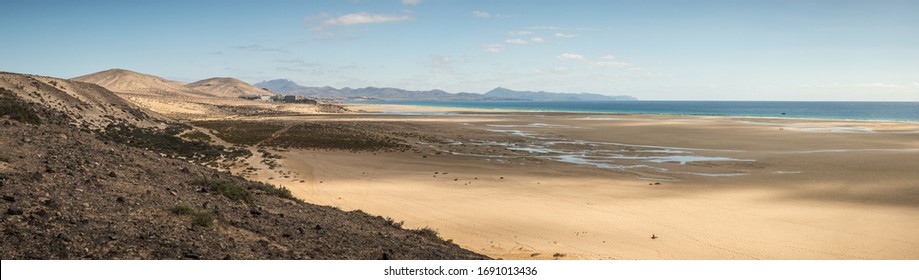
(260, 48)
(545, 27)
(520, 33)
(516, 41)
(875, 85)
(571, 57)
(493, 48)
(365, 18)
(609, 61)
(555, 70)
(411, 2)
(441, 60)
(481, 14)
(886, 85)
(563, 35)
(448, 65)
(537, 40)
(603, 61)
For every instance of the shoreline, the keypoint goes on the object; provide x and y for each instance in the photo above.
(530, 185)
(434, 108)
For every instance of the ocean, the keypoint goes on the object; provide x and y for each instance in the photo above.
(885, 111)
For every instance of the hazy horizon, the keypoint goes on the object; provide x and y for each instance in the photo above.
(652, 50)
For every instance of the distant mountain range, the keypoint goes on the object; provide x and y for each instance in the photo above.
(283, 86)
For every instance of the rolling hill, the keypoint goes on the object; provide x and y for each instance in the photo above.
(126, 81)
(227, 87)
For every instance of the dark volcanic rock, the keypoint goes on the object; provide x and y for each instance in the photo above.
(13, 210)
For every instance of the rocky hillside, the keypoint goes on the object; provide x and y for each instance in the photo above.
(227, 87)
(75, 193)
(206, 99)
(126, 81)
(91, 106)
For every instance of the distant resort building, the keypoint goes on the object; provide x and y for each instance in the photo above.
(280, 98)
(259, 97)
(298, 99)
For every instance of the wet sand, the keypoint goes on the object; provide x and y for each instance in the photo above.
(539, 185)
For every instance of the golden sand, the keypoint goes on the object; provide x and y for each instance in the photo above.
(533, 185)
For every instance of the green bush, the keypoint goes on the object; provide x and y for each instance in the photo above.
(197, 136)
(226, 188)
(427, 231)
(16, 108)
(204, 219)
(165, 141)
(181, 210)
(281, 192)
(240, 191)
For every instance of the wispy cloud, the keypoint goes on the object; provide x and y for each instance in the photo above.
(609, 61)
(322, 21)
(260, 48)
(516, 41)
(874, 85)
(537, 40)
(300, 66)
(493, 48)
(520, 33)
(296, 62)
(444, 64)
(563, 35)
(545, 27)
(365, 18)
(411, 2)
(481, 14)
(571, 57)
(603, 61)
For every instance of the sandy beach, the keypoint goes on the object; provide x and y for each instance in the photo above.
(542, 185)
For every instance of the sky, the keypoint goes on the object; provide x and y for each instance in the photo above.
(653, 50)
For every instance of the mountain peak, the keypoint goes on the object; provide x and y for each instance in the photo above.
(227, 87)
(279, 85)
(121, 80)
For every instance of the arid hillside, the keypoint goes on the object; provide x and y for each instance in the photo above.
(227, 87)
(80, 186)
(126, 81)
(87, 105)
(215, 98)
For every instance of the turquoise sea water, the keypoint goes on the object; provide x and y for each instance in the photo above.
(888, 111)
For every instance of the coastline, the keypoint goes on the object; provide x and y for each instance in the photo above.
(415, 108)
(516, 184)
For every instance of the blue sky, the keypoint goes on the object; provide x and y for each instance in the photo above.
(673, 50)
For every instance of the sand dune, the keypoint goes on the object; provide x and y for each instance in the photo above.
(227, 87)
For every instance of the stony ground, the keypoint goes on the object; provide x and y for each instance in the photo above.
(67, 194)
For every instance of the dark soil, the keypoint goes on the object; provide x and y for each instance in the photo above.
(126, 193)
